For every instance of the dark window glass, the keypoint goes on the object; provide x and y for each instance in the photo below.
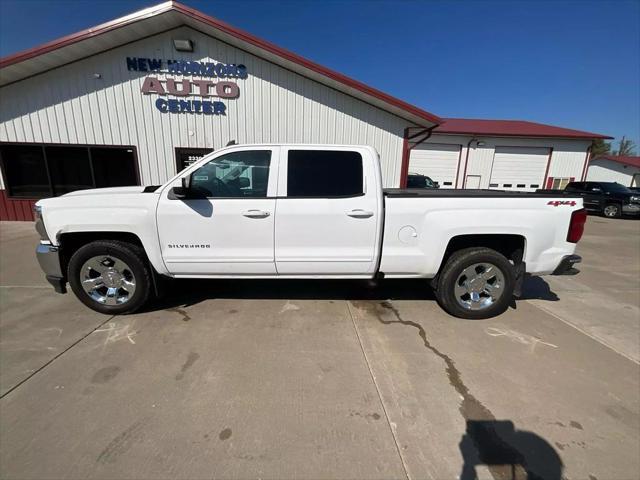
(494, 185)
(521, 185)
(113, 167)
(575, 186)
(234, 175)
(37, 171)
(448, 183)
(323, 173)
(69, 169)
(25, 170)
(534, 185)
(507, 185)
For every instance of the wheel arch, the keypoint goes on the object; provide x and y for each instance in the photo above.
(512, 246)
(70, 242)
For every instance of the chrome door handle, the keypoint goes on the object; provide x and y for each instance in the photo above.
(255, 213)
(359, 213)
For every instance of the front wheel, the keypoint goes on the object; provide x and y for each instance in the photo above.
(110, 276)
(476, 283)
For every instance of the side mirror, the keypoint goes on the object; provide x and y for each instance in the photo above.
(181, 193)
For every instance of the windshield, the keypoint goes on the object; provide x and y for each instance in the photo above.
(615, 187)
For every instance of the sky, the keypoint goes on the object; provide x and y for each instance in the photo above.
(574, 64)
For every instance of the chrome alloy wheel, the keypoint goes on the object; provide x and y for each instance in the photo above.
(479, 286)
(107, 280)
(611, 211)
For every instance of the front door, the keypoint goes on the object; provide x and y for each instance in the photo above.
(228, 229)
(329, 211)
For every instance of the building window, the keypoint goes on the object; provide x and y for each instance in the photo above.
(324, 173)
(37, 171)
(558, 183)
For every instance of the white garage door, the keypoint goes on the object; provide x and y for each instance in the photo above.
(437, 161)
(519, 168)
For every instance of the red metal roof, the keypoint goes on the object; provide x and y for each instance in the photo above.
(628, 160)
(510, 128)
(173, 6)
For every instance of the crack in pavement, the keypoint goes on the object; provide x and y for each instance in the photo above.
(470, 407)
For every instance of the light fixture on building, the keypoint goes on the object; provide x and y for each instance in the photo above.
(183, 45)
(480, 143)
(97, 75)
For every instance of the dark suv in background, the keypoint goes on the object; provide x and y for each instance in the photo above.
(607, 198)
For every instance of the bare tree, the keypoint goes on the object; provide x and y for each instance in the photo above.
(626, 147)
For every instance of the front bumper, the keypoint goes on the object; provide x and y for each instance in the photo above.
(566, 265)
(49, 259)
(631, 209)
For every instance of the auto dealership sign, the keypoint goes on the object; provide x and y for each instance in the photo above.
(189, 79)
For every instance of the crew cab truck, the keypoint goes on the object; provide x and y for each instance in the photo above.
(302, 211)
(610, 199)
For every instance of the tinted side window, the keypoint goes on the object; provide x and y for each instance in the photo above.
(575, 186)
(26, 171)
(324, 173)
(234, 175)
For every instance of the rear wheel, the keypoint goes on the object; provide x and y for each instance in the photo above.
(476, 283)
(110, 276)
(612, 210)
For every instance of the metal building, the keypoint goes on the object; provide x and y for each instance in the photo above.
(136, 99)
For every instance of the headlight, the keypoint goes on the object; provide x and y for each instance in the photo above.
(37, 213)
(635, 199)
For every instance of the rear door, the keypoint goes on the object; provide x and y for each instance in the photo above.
(328, 212)
(594, 196)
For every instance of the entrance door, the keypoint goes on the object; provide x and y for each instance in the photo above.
(226, 226)
(185, 157)
(328, 213)
(473, 181)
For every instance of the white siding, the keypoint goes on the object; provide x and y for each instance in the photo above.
(608, 171)
(70, 105)
(567, 159)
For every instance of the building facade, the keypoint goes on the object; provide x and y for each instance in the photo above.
(135, 100)
(624, 170)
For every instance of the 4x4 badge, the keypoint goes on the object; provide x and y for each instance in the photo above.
(557, 203)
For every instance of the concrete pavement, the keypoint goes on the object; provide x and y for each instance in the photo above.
(283, 379)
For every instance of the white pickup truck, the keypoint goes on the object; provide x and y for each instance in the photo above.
(303, 211)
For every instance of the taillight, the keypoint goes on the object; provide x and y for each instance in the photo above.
(576, 226)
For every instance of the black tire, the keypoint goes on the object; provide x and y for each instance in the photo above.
(132, 255)
(612, 210)
(453, 268)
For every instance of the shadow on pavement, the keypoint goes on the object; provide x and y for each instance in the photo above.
(536, 288)
(184, 293)
(509, 454)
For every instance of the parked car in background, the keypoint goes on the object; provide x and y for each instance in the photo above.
(416, 180)
(606, 198)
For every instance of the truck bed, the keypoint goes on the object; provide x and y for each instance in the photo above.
(467, 193)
